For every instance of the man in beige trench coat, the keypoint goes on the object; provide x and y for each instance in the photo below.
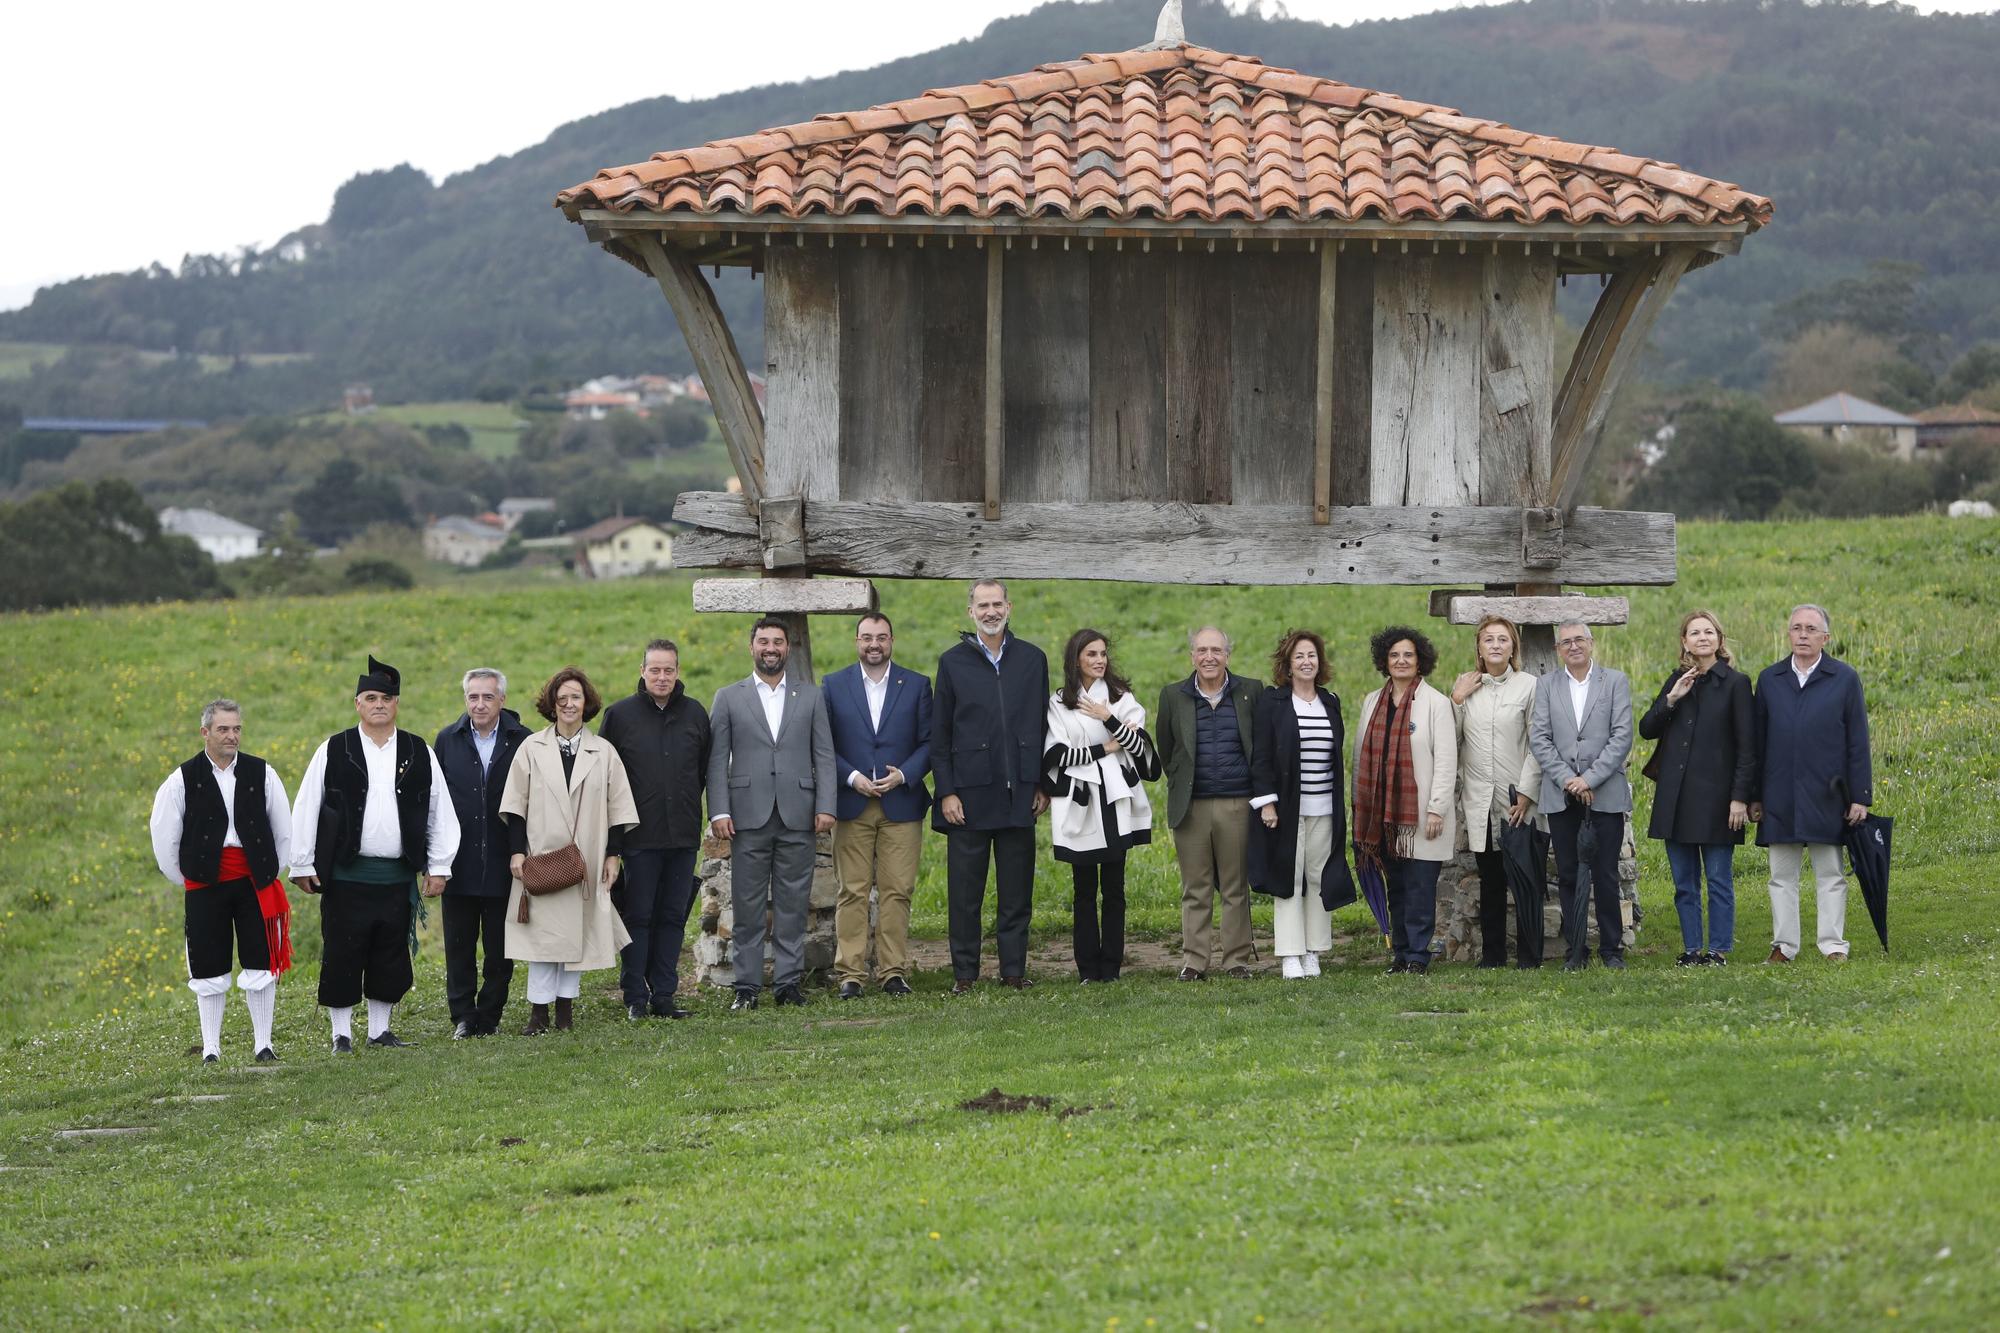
(566, 785)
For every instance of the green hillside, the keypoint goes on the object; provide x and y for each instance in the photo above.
(1872, 127)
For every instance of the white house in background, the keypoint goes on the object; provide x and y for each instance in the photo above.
(517, 507)
(223, 538)
(1845, 419)
(617, 548)
(458, 540)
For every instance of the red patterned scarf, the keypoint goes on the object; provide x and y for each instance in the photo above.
(1385, 782)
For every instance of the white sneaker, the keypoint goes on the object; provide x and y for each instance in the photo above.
(1295, 968)
(1311, 962)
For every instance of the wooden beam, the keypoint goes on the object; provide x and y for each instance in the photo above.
(1612, 340)
(1329, 265)
(996, 385)
(819, 597)
(1169, 542)
(802, 332)
(713, 348)
(1467, 608)
(781, 531)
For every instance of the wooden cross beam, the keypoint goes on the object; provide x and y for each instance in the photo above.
(715, 355)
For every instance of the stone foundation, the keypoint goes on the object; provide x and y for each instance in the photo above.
(714, 957)
(1457, 936)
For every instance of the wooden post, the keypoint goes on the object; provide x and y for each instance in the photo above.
(1323, 388)
(996, 399)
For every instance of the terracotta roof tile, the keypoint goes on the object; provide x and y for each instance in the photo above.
(1182, 133)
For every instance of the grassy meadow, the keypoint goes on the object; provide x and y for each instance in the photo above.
(1750, 1147)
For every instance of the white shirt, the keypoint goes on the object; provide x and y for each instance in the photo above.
(877, 692)
(1806, 675)
(1213, 700)
(1579, 694)
(773, 699)
(381, 833)
(170, 810)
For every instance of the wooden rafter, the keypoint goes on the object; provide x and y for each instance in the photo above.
(715, 355)
(1323, 388)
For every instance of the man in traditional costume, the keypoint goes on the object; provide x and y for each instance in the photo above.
(374, 812)
(222, 832)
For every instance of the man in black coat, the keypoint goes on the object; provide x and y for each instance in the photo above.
(474, 754)
(987, 728)
(662, 735)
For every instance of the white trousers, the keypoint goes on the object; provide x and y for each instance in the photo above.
(549, 982)
(1787, 860)
(1299, 925)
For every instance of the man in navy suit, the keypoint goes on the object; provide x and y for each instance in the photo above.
(881, 719)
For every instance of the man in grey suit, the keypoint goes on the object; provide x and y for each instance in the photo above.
(770, 791)
(1581, 735)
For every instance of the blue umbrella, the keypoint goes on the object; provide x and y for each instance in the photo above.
(1374, 889)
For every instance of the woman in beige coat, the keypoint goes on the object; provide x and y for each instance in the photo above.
(1405, 790)
(1498, 777)
(565, 786)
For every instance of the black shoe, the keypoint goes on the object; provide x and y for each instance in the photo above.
(1418, 969)
(1240, 972)
(635, 1012)
(849, 990)
(896, 986)
(1576, 967)
(1193, 974)
(267, 1056)
(1085, 981)
(1690, 959)
(1715, 960)
(211, 1059)
(1397, 966)
(1492, 962)
(388, 1039)
(1615, 962)
(343, 1046)
(789, 995)
(745, 999)
(1525, 966)
(1016, 983)
(672, 1010)
(963, 985)
(463, 1029)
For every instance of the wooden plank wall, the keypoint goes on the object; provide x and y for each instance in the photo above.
(1162, 376)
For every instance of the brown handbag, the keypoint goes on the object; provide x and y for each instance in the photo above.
(550, 872)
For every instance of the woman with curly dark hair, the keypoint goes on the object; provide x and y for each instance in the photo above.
(566, 787)
(1405, 782)
(1096, 757)
(1295, 771)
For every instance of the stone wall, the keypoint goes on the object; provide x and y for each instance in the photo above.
(714, 959)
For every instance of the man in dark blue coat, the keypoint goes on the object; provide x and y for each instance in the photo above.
(475, 753)
(881, 719)
(987, 729)
(1813, 778)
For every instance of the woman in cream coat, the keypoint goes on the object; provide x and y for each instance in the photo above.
(1405, 789)
(1497, 776)
(566, 785)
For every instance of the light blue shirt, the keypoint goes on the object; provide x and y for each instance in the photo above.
(991, 656)
(486, 743)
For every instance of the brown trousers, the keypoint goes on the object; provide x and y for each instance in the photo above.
(1211, 844)
(872, 850)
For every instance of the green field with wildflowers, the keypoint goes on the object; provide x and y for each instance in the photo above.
(1745, 1147)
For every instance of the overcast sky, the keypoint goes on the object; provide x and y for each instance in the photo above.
(165, 129)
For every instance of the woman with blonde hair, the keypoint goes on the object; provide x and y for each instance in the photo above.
(1705, 771)
(1498, 777)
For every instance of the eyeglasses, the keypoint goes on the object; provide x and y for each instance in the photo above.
(1573, 641)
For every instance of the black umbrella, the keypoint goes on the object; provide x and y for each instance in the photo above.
(1579, 917)
(1867, 846)
(1525, 852)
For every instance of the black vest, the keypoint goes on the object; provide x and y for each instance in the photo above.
(1220, 766)
(206, 822)
(346, 796)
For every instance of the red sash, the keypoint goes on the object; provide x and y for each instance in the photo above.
(271, 903)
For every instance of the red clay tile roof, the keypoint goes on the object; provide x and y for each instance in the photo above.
(1184, 134)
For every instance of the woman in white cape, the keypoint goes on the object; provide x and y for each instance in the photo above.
(1097, 755)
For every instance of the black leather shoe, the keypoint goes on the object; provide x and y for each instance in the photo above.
(1193, 974)
(1016, 983)
(463, 1029)
(1615, 962)
(1241, 973)
(673, 1010)
(1690, 959)
(343, 1046)
(211, 1059)
(635, 1012)
(850, 990)
(1575, 967)
(896, 986)
(963, 985)
(1417, 969)
(789, 995)
(388, 1039)
(1715, 960)
(267, 1056)
(1398, 966)
(745, 1000)
(1492, 962)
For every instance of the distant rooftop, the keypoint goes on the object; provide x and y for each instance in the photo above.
(203, 523)
(1843, 409)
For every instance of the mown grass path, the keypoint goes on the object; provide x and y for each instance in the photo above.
(1751, 1147)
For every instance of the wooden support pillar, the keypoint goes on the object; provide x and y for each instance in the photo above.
(1329, 263)
(996, 395)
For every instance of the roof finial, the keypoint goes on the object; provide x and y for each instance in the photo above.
(1169, 33)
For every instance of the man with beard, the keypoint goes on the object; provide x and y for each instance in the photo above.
(374, 811)
(474, 754)
(662, 736)
(986, 753)
(222, 831)
(770, 791)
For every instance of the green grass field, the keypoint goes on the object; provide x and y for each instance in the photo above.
(1803, 1147)
(18, 360)
(495, 427)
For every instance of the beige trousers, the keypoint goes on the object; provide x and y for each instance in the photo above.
(873, 850)
(1210, 844)
(1299, 925)
(1787, 861)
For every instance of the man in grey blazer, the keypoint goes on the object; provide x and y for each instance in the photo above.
(1581, 735)
(770, 791)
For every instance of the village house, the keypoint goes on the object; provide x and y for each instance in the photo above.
(223, 538)
(514, 508)
(459, 540)
(1846, 419)
(1937, 427)
(617, 548)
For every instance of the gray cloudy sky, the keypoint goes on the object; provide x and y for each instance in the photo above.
(166, 129)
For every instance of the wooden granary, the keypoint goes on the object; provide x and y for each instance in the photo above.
(1168, 315)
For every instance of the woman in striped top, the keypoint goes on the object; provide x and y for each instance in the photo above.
(1405, 788)
(1296, 771)
(1097, 755)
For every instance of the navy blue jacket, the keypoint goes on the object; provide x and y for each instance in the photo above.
(987, 731)
(1812, 752)
(480, 869)
(904, 742)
